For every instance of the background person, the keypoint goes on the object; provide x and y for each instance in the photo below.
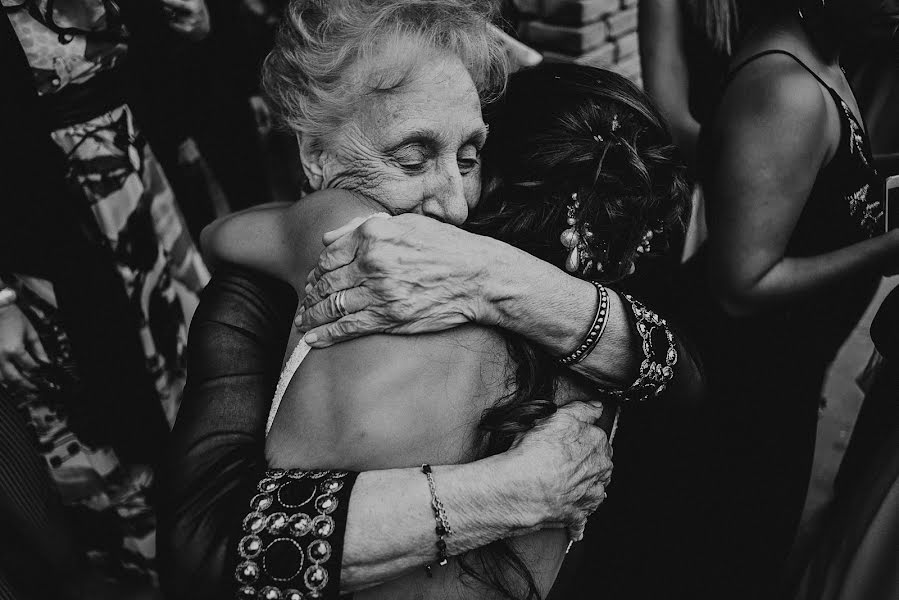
(796, 247)
(99, 274)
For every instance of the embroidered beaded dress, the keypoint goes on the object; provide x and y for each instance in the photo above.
(766, 371)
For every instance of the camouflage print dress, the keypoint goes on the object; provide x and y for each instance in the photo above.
(162, 272)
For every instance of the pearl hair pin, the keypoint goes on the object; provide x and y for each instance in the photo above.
(577, 240)
(583, 255)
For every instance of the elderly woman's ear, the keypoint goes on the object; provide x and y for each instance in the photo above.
(313, 158)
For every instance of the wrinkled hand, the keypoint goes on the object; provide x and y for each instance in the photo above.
(190, 18)
(566, 463)
(406, 274)
(20, 349)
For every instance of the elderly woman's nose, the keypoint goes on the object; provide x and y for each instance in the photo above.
(447, 201)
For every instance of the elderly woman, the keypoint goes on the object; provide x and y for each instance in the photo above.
(407, 142)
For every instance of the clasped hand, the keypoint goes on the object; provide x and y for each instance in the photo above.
(565, 466)
(403, 275)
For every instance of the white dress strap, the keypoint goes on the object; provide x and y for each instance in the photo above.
(293, 363)
(302, 348)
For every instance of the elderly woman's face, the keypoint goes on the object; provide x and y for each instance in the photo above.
(416, 148)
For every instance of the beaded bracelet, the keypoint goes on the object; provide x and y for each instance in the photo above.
(443, 528)
(596, 329)
(655, 373)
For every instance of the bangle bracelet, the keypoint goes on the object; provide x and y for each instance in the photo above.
(7, 297)
(443, 528)
(596, 329)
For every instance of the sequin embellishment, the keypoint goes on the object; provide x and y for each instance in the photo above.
(281, 546)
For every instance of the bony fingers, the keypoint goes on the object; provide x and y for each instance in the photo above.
(36, 348)
(576, 532)
(318, 315)
(313, 276)
(319, 292)
(598, 496)
(347, 328)
(12, 377)
(24, 361)
(328, 335)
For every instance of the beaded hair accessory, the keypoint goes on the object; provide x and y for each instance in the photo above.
(581, 256)
(585, 256)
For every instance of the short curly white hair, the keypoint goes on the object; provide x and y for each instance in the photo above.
(309, 76)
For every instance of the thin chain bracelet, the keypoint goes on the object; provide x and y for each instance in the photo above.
(443, 528)
(596, 329)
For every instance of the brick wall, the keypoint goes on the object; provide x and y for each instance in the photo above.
(601, 33)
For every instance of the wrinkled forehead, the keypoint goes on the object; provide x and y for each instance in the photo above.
(409, 86)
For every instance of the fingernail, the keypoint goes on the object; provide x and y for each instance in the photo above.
(308, 289)
(310, 338)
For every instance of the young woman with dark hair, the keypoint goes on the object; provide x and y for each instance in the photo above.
(581, 173)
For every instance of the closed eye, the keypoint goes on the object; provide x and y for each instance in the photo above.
(468, 158)
(412, 157)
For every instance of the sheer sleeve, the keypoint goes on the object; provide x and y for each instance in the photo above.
(215, 463)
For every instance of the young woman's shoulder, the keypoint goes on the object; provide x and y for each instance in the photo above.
(326, 210)
(774, 89)
(282, 239)
(776, 107)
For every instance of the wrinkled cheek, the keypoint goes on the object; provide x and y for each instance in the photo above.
(472, 189)
(396, 195)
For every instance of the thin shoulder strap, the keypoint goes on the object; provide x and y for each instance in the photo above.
(730, 76)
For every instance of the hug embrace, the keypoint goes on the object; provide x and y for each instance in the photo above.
(449, 313)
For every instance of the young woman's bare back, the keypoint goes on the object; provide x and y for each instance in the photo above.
(381, 401)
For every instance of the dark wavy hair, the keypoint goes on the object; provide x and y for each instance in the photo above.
(551, 136)
(564, 129)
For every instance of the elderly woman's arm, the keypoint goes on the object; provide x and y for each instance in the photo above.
(411, 274)
(216, 458)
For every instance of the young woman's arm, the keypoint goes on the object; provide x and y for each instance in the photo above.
(265, 238)
(666, 76)
(775, 131)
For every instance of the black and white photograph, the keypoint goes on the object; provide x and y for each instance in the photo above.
(449, 300)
